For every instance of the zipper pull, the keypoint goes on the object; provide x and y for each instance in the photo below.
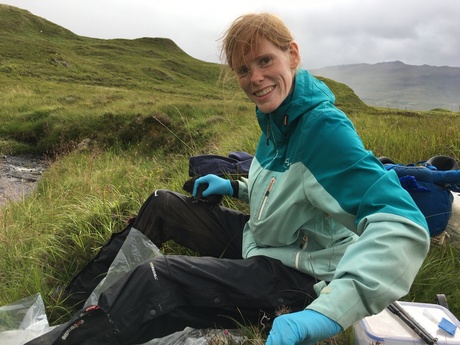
(270, 186)
(304, 243)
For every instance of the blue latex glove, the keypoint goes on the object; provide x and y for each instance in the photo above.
(217, 185)
(302, 327)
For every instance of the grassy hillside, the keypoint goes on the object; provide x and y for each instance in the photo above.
(64, 88)
(34, 47)
(144, 107)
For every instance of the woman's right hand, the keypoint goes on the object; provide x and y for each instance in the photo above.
(216, 185)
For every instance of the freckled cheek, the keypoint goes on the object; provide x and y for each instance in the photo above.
(245, 86)
(287, 84)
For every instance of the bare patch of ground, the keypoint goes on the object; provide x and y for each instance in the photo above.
(19, 175)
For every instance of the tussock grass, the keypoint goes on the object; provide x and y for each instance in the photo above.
(409, 138)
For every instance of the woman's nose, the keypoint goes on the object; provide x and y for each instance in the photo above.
(256, 75)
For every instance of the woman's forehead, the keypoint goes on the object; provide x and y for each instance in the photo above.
(246, 52)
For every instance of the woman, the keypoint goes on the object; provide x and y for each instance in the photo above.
(331, 236)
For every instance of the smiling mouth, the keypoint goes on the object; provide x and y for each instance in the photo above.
(263, 92)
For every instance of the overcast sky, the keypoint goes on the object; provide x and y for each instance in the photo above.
(329, 32)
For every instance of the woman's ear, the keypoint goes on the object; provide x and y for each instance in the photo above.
(294, 54)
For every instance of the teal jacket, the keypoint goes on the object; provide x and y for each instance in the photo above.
(324, 205)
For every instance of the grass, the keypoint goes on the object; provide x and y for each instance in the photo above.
(142, 107)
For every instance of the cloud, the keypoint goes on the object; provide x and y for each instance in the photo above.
(355, 32)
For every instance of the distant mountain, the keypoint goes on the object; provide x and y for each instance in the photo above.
(397, 85)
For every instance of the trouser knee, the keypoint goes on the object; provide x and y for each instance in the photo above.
(152, 213)
(142, 295)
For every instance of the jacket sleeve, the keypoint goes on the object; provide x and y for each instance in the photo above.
(375, 271)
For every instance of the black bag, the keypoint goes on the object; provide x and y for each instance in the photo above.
(90, 327)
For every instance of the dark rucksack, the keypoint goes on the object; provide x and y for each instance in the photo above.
(430, 184)
(237, 163)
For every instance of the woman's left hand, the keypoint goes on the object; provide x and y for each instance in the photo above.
(303, 327)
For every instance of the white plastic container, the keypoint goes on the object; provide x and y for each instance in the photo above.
(387, 328)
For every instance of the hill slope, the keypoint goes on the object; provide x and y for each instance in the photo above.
(16, 21)
(32, 48)
(397, 85)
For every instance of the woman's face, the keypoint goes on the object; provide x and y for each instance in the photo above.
(266, 74)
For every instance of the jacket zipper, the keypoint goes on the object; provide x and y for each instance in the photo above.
(269, 131)
(272, 181)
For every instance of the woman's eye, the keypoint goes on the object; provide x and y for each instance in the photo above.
(242, 71)
(265, 60)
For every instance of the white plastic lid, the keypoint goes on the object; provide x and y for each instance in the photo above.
(388, 327)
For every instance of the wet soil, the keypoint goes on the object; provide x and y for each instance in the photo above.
(19, 175)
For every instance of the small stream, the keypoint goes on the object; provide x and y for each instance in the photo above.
(19, 175)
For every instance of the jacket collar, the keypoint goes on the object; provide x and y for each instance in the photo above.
(308, 93)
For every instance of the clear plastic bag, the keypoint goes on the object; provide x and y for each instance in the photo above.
(192, 336)
(23, 320)
(136, 249)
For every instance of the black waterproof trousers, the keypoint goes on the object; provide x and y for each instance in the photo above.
(217, 289)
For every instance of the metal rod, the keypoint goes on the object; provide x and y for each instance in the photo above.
(399, 311)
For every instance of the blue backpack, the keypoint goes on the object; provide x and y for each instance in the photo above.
(430, 184)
